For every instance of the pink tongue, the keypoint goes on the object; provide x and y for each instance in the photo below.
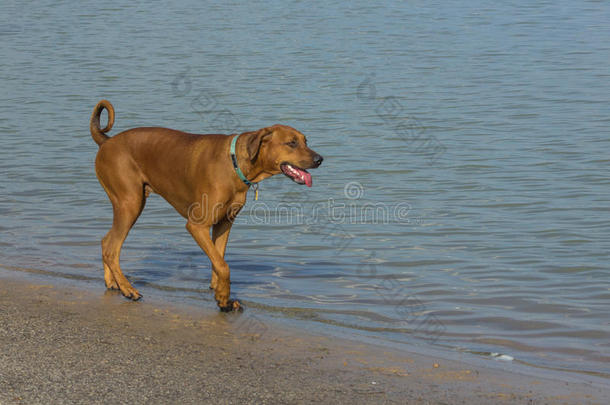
(304, 176)
(307, 177)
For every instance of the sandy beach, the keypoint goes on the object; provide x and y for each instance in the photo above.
(64, 344)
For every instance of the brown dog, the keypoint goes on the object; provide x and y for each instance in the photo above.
(198, 175)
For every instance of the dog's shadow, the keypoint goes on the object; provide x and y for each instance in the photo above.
(170, 268)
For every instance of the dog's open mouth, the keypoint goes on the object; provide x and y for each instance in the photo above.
(298, 175)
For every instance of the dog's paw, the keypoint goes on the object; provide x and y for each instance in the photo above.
(131, 293)
(112, 285)
(135, 296)
(232, 306)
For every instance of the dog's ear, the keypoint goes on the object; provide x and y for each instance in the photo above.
(255, 141)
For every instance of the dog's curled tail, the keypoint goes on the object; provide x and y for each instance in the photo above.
(98, 133)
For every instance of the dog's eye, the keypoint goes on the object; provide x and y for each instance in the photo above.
(292, 144)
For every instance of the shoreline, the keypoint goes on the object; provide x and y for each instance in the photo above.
(63, 342)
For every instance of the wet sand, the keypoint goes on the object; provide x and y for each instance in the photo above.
(64, 344)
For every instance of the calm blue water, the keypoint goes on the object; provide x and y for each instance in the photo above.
(463, 201)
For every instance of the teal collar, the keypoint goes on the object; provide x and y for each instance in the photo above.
(236, 166)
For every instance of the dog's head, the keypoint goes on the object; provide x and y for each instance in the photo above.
(283, 149)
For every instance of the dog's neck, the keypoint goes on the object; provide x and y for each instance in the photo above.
(252, 170)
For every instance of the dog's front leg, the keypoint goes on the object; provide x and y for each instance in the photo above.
(220, 237)
(201, 234)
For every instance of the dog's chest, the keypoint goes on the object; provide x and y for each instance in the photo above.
(235, 205)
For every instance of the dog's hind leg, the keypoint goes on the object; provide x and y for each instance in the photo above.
(127, 194)
(126, 212)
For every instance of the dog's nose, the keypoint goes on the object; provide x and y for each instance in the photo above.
(317, 160)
